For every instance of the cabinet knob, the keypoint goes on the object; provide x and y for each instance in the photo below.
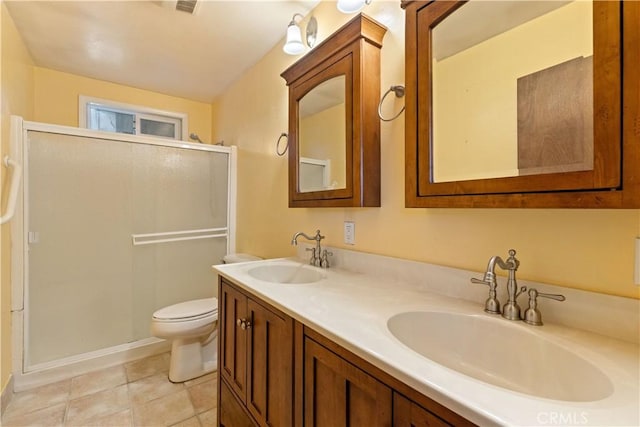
(243, 323)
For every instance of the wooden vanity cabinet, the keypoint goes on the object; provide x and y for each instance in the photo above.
(338, 393)
(231, 412)
(341, 389)
(407, 413)
(255, 361)
(274, 371)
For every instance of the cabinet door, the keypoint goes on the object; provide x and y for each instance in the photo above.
(337, 394)
(269, 366)
(409, 414)
(233, 339)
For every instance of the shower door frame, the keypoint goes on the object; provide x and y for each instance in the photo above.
(26, 377)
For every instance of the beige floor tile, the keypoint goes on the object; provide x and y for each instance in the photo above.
(97, 405)
(164, 411)
(151, 388)
(119, 419)
(204, 396)
(39, 398)
(103, 398)
(202, 379)
(51, 416)
(209, 418)
(191, 422)
(147, 367)
(95, 381)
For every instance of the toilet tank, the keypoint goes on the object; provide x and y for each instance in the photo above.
(240, 257)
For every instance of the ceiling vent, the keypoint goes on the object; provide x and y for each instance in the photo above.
(186, 5)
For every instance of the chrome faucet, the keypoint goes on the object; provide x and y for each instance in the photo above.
(511, 309)
(316, 255)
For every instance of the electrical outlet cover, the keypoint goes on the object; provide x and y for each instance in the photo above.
(349, 233)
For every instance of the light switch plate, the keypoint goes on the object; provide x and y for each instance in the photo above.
(637, 258)
(349, 232)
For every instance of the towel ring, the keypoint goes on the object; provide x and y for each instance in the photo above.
(399, 92)
(278, 152)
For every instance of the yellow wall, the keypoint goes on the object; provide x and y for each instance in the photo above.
(585, 249)
(484, 78)
(56, 100)
(17, 98)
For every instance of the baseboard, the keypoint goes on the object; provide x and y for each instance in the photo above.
(61, 370)
(6, 395)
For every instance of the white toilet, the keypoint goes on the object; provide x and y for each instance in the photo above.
(192, 326)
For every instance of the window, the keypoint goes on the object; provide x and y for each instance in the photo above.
(109, 116)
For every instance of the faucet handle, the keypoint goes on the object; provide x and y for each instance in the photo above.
(324, 262)
(532, 315)
(491, 305)
(481, 282)
(557, 297)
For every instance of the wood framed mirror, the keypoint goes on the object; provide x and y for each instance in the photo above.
(334, 130)
(536, 111)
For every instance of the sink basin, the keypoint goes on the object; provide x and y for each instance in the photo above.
(286, 273)
(498, 352)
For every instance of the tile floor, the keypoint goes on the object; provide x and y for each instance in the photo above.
(134, 394)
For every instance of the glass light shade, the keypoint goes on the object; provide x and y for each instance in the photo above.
(293, 45)
(350, 6)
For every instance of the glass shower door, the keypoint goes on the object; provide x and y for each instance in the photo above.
(180, 198)
(89, 287)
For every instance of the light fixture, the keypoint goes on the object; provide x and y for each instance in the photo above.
(351, 6)
(294, 44)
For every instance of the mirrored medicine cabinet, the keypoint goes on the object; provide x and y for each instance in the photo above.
(334, 131)
(522, 104)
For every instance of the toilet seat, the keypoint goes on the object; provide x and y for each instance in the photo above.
(188, 311)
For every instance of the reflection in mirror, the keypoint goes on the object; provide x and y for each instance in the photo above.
(322, 137)
(512, 90)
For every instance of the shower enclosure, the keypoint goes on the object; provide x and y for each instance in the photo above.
(115, 227)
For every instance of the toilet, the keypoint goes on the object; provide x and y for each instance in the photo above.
(192, 328)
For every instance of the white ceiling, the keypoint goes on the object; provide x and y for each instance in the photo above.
(149, 45)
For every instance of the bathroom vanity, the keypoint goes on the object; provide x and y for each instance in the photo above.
(301, 345)
(275, 370)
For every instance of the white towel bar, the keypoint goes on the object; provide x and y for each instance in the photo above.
(177, 236)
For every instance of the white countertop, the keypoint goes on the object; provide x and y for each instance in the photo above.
(353, 308)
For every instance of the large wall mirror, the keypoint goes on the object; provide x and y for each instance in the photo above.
(334, 133)
(512, 94)
(518, 104)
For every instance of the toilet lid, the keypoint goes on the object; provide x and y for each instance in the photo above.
(188, 309)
